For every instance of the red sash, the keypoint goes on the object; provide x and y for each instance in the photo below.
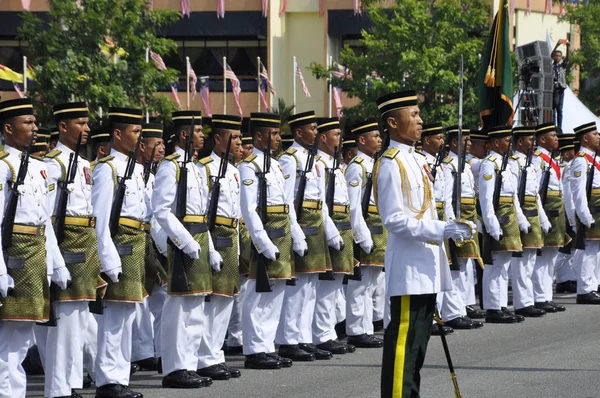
(552, 163)
(591, 159)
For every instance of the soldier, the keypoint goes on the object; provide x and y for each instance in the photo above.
(502, 224)
(275, 241)
(349, 150)
(295, 327)
(217, 311)
(100, 142)
(54, 133)
(32, 253)
(287, 139)
(587, 258)
(522, 264)
(40, 148)
(183, 311)
(415, 260)
(543, 271)
(369, 234)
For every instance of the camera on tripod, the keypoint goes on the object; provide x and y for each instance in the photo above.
(528, 68)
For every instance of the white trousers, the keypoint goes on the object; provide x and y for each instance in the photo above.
(340, 304)
(587, 262)
(216, 314)
(90, 345)
(467, 282)
(40, 335)
(64, 348)
(452, 304)
(261, 313)
(521, 269)
(235, 338)
(543, 275)
(181, 330)
(295, 324)
(495, 281)
(359, 302)
(113, 362)
(15, 339)
(324, 319)
(146, 327)
(564, 270)
(379, 297)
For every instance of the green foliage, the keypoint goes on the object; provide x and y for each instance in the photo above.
(586, 15)
(416, 44)
(67, 56)
(285, 112)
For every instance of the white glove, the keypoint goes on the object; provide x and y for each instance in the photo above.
(270, 252)
(216, 261)
(300, 247)
(70, 187)
(546, 227)
(458, 231)
(62, 277)
(525, 227)
(192, 249)
(589, 224)
(114, 274)
(6, 282)
(367, 245)
(336, 243)
(496, 235)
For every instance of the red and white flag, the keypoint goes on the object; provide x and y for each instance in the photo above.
(265, 75)
(337, 98)
(235, 84)
(185, 8)
(283, 7)
(205, 94)
(193, 79)
(265, 8)
(174, 87)
(220, 8)
(357, 7)
(299, 74)
(17, 87)
(26, 5)
(548, 6)
(262, 90)
(158, 61)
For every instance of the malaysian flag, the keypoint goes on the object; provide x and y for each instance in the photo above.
(18, 89)
(174, 87)
(158, 61)
(235, 84)
(548, 6)
(265, 76)
(220, 8)
(205, 94)
(357, 7)
(337, 98)
(265, 7)
(299, 74)
(341, 72)
(262, 89)
(185, 8)
(193, 79)
(26, 5)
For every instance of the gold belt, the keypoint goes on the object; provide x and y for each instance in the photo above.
(37, 230)
(530, 198)
(195, 219)
(79, 221)
(440, 205)
(312, 204)
(467, 201)
(284, 209)
(373, 209)
(133, 223)
(595, 191)
(553, 193)
(226, 221)
(506, 199)
(341, 209)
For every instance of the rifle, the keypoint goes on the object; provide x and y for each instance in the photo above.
(523, 178)
(148, 167)
(263, 282)
(438, 161)
(302, 184)
(546, 180)
(179, 279)
(216, 188)
(63, 194)
(487, 253)
(8, 221)
(580, 240)
(117, 205)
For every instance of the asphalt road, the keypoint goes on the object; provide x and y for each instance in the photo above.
(557, 356)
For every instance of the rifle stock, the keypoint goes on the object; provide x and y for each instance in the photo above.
(63, 194)
(148, 168)
(263, 282)
(523, 178)
(216, 188)
(329, 199)
(580, 239)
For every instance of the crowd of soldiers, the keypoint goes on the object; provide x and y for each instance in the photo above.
(171, 242)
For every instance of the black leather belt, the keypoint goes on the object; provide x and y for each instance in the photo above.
(530, 213)
(196, 228)
(552, 213)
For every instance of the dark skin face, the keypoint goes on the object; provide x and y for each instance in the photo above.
(70, 130)
(405, 125)
(479, 148)
(370, 143)
(548, 141)
(103, 150)
(523, 144)
(146, 147)
(245, 151)
(222, 139)
(466, 144)
(125, 141)
(500, 145)
(590, 141)
(197, 138)
(568, 155)
(267, 138)
(349, 154)
(18, 133)
(557, 56)
(433, 143)
(329, 141)
(306, 135)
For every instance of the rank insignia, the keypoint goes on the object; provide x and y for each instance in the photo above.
(248, 182)
(286, 176)
(87, 173)
(487, 177)
(51, 187)
(353, 183)
(577, 174)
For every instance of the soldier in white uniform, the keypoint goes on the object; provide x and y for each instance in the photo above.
(416, 268)
(587, 258)
(502, 224)
(522, 263)
(33, 256)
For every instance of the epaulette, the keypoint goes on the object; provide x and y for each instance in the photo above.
(206, 160)
(53, 154)
(358, 159)
(420, 153)
(537, 153)
(515, 157)
(391, 153)
(93, 164)
(41, 159)
(448, 159)
(3, 155)
(580, 154)
(291, 151)
(249, 159)
(491, 158)
(172, 157)
(106, 159)
(317, 157)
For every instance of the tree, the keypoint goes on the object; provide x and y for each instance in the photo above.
(586, 15)
(416, 44)
(97, 54)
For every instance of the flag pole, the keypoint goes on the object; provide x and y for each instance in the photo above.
(224, 85)
(187, 68)
(24, 75)
(330, 85)
(147, 60)
(259, 82)
(294, 78)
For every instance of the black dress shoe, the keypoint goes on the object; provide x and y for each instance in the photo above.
(530, 311)
(215, 372)
(319, 354)
(463, 323)
(349, 347)
(588, 298)
(116, 391)
(159, 365)
(233, 351)
(333, 347)
(475, 313)
(378, 325)
(261, 361)
(75, 394)
(520, 318)
(340, 330)
(365, 341)
(566, 287)
(285, 362)
(435, 329)
(295, 353)
(148, 364)
(134, 368)
(235, 373)
(545, 306)
(499, 316)
(87, 381)
(559, 308)
(182, 379)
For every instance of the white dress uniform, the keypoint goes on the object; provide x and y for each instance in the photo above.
(359, 294)
(299, 303)
(522, 267)
(218, 311)
(495, 276)
(183, 318)
(261, 311)
(33, 208)
(113, 359)
(564, 269)
(587, 261)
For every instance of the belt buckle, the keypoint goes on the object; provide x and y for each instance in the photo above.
(234, 223)
(319, 205)
(41, 229)
(286, 208)
(142, 225)
(92, 222)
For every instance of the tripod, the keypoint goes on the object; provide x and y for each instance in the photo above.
(527, 96)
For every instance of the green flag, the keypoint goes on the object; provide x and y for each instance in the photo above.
(495, 74)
